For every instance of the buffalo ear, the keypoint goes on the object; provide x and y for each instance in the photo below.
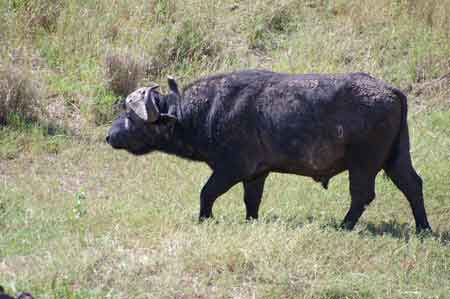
(173, 85)
(150, 104)
(141, 102)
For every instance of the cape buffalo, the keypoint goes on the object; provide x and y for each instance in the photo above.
(249, 123)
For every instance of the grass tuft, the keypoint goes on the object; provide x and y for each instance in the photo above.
(272, 22)
(123, 73)
(37, 15)
(186, 45)
(20, 94)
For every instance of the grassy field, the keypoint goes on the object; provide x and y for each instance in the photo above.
(79, 220)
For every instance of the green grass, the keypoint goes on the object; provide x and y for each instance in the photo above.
(137, 234)
(80, 220)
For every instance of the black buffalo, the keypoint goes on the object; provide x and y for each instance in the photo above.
(247, 124)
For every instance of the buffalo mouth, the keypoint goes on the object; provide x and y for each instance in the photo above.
(135, 151)
(119, 143)
(138, 152)
(113, 143)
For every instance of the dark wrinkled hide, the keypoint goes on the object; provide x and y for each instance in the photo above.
(247, 124)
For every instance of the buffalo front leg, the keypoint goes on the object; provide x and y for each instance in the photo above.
(362, 191)
(217, 184)
(253, 190)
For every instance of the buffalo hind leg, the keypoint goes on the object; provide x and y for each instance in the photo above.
(403, 175)
(217, 184)
(253, 190)
(362, 191)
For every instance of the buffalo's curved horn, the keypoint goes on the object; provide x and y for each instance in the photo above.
(173, 86)
(152, 109)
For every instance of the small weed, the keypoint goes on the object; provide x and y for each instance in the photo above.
(257, 37)
(164, 11)
(103, 107)
(80, 210)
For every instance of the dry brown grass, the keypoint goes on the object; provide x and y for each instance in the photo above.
(123, 73)
(20, 94)
(361, 13)
(37, 15)
(190, 44)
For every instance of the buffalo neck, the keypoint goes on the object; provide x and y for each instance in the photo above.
(183, 140)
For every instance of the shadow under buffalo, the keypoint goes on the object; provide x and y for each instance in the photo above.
(392, 228)
(403, 231)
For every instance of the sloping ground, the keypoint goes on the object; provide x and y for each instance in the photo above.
(94, 223)
(79, 220)
(86, 55)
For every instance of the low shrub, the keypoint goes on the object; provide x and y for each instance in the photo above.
(103, 107)
(184, 46)
(35, 15)
(19, 94)
(123, 73)
(276, 21)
